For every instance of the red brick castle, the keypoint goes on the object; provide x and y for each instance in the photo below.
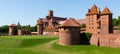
(98, 22)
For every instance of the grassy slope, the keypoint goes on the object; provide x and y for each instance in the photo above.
(19, 44)
(47, 45)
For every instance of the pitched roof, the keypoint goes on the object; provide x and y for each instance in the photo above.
(70, 23)
(13, 25)
(39, 21)
(106, 11)
(94, 10)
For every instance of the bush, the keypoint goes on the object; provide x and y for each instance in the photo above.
(85, 38)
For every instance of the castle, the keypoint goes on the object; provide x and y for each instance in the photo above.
(100, 25)
(45, 26)
(98, 22)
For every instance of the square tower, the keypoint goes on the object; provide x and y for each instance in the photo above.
(106, 21)
(98, 22)
(93, 20)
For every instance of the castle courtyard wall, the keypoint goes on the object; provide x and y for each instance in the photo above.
(111, 40)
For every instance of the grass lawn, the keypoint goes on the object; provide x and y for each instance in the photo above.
(47, 45)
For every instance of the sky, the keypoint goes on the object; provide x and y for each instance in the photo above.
(28, 11)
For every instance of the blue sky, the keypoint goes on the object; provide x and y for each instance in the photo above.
(28, 11)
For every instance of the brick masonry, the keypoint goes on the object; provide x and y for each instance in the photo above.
(111, 40)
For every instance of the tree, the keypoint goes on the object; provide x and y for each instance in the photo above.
(115, 22)
(18, 24)
(83, 25)
(4, 30)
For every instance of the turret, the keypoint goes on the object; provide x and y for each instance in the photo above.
(13, 29)
(69, 32)
(39, 27)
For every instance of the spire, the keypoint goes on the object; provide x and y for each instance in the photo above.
(106, 11)
(94, 10)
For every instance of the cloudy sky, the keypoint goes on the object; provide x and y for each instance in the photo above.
(28, 11)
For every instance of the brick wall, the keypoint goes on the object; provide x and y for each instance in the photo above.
(69, 37)
(110, 40)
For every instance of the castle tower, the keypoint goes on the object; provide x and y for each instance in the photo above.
(20, 32)
(50, 13)
(98, 22)
(69, 32)
(106, 21)
(13, 29)
(93, 20)
(39, 27)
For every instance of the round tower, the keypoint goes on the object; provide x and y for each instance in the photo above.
(13, 29)
(39, 27)
(69, 32)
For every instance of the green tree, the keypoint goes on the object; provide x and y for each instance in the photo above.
(83, 25)
(18, 24)
(115, 22)
(4, 30)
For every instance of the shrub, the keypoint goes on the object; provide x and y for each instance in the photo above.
(85, 38)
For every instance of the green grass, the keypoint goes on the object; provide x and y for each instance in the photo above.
(86, 49)
(47, 45)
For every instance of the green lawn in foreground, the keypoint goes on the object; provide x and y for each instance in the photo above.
(47, 45)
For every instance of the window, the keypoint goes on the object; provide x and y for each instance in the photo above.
(98, 27)
(92, 20)
(75, 28)
(92, 23)
(64, 28)
(89, 19)
(92, 28)
(103, 18)
(89, 27)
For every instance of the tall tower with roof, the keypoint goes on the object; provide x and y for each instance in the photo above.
(93, 20)
(39, 27)
(106, 21)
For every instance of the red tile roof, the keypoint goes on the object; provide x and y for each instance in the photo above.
(70, 23)
(106, 11)
(94, 10)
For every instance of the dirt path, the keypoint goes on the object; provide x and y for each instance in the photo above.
(47, 47)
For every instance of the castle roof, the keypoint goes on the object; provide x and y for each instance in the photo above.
(39, 21)
(94, 10)
(13, 25)
(106, 11)
(70, 23)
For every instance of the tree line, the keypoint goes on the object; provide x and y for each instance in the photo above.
(4, 30)
(116, 21)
